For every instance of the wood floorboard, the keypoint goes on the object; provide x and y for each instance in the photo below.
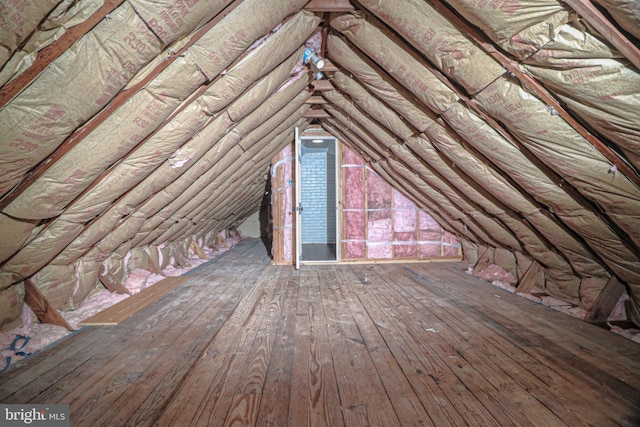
(620, 372)
(315, 400)
(412, 361)
(477, 370)
(142, 403)
(363, 395)
(244, 342)
(134, 364)
(402, 395)
(457, 380)
(542, 351)
(126, 308)
(474, 323)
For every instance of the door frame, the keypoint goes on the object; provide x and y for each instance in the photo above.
(298, 208)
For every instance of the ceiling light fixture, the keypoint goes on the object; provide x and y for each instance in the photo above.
(309, 57)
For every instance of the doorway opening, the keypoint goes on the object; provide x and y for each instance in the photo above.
(317, 199)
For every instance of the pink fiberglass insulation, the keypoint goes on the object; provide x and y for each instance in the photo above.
(499, 277)
(451, 244)
(378, 221)
(430, 236)
(404, 214)
(354, 233)
(354, 187)
(379, 225)
(408, 250)
(379, 198)
(404, 226)
(354, 206)
(287, 193)
(31, 336)
(379, 244)
(351, 158)
(383, 220)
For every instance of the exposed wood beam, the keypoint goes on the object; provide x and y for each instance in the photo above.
(111, 282)
(154, 267)
(195, 247)
(597, 20)
(47, 55)
(119, 100)
(317, 113)
(126, 308)
(533, 275)
(541, 92)
(181, 259)
(606, 301)
(329, 6)
(326, 19)
(42, 307)
(484, 260)
(322, 85)
(316, 99)
(574, 193)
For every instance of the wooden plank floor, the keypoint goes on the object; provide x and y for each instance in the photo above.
(242, 342)
(127, 307)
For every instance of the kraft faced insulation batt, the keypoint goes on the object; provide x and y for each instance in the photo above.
(504, 133)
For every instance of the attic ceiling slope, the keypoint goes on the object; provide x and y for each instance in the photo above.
(91, 208)
(143, 125)
(415, 29)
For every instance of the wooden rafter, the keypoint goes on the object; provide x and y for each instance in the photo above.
(154, 267)
(316, 113)
(606, 301)
(41, 306)
(47, 55)
(329, 6)
(120, 99)
(512, 66)
(316, 99)
(484, 260)
(597, 20)
(195, 247)
(322, 85)
(542, 93)
(111, 282)
(533, 275)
